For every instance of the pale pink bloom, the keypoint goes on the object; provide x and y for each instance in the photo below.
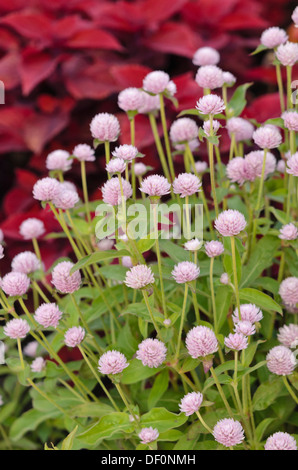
(111, 191)
(249, 312)
(186, 271)
(139, 277)
(241, 128)
(155, 186)
(167, 322)
(126, 152)
(184, 130)
(206, 56)
(84, 153)
(295, 16)
(228, 432)
(66, 199)
(130, 99)
(209, 76)
(267, 137)
(281, 166)
(201, 342)
(16, 328)
(74, 336)
(215, 127)
(1, 236)
(236, 341)
(186, 184)
(214, 248)
(245, 327)
(46, 189)
(15, 283)
(288, 155)
(150, 103)
(156, 82)
(193, 245)
(148, 435)
(288, 290)
(281, 360)
(210, 104)
(193, 145)
(288, 335)
(31, 348)
(191, 403)
(236, 170)
(105, 127)
(25, 262)
(273, 37)
(201, 167)
(116, 165)
(254, 164)
(288, 232)
(112, 362)
(281, 441)
(32, 228)
(48, 314)
(292, 165)
(69, 186)
(64, 281)
(224, 279)
(38, 364)
(151, 352)
(171, 88)
(230, 223)
(105, 244)
(291, 120)
(229, 79)
(127, 262)
(140, 169)
(58, 160)
(1, 252)
(287, 53)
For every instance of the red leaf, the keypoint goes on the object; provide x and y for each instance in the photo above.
(29, 25)
(160, 10)
(17, 200)
(131, 75)
(94, 39)
(264, 107)
(40, 129)
(9, 70)
(36, 67)
(25, 179)
(240, 21)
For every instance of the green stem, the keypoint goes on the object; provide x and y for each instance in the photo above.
(146, 298)
(203, 422)
(85, 190)
(166, 136)
(235, 275)
(181, 322)
(220, 390)
(261, 186)
(211, 166)
(213, 295)
(280, 88)
(159, 258)
(20, 353)
(125, 401)
(159, 146)
(291, 392)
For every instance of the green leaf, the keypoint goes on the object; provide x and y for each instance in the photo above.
(261, 428)
(98, 257)
(162, 419)
(68, 441)
(29, 421)
(136, 372)
(262, 300)
(175, 252)
(159, 388)
(106, 427)
(259, 49)
(261, 258)
(238, 100)
(266, 394)
(222, 302)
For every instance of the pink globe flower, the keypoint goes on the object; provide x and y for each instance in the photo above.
(15, 284)
(184, 130)
(186, 271)
(1, 252)
(201, 342)
(288, 290)
(155, 186)
(281, 166)
(281, 360)
(295, 16)
(67, 199)
(229, 79)
(292, 165)
(125, 152)
(74, 336)
(130, 99)
(288, 232)
(68, 186)
(186, 184)
(171, 88)
(116, 165)
(267, 137)
(215, 127)
(210, 104)
(151, 352)
(201, 167)
(84, 153)
(32, 228)
(156, 82)
(140, 169)
(139, 277)
(288, 335)
(48, 315)
(46, 189)
(16, 328)
(193, 145)
(209, 76)
(38, 364)
(273, 37)
(241, 128)
(236, 170)
(26, 262)
(245, 328)
(281, 441)
(248, 312)
(1, 236)
(228, 432)
(64, 281)
(291, 120)
(31, 348)
(253, 164)
(105, 244)
(287, 53)
(58, 160)
(150, 104)
(112, 362)
(224, 279)
(193, 245)
(111, 191)
(214, 248)
(191, 403)
(148, 435)
(127, 262)
(206, 56)
(105, 127)
(230, 223)
(236, 341)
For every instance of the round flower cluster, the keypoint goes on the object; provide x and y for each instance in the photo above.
(236, 341)
(186, 271)
(74, 336)
(287, 53)
(248, 312)
(105, 127)
(47, 315)
(292, 165)
(47, 189)
(155, 186)
(130, 99)
(15, 284)
(214, 248)
(273, 37)
(209, 76)
(228, 432)
(281, 360)
(245, 327)
(139, 277)
(148, 435)
(281, 441)
(288, 232)
(16, 328)
(186, 184)
(267, 137)
(112, 362)
(156, 82)
(210, 104)
(151, 352)
(183, 130)
(116, 165)
(193, 245)
(64, 281)
(230, 223)
(288, 290)
(191, 403)
(206, 56)
(201, 342)
(112, 193)
(84, 153)
(25, 262)
(58, 160)
(288, 335)
(241, 128)
(207, 127)
(32, 228)
(38, 364)
(125, 152)
(291, 120)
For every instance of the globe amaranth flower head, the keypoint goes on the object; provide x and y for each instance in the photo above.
(267, 137)
(230, 223)
(31, 348)
(151, 352)
(116, 165)
(111, 191)
(210, 104)
(1, 252)
(281, 360)
(248, 312)
(186, 184)
(245, 328)
(112, 362)
(193, 245)
(200, 167)
(127, 262)
(64, 281)
(74, 336)
(148, 435)
(292, 165)
(67, 199)
(84, 153)
(290, 120)
(191, 403)
(236, 341)
(193, 145)
(253, 164)
(139, 277)
(156, 82)
(281, 441)
(241, 128)
(186, 271)
(228, 432)
(209, 76)
(150, 103)
(295, 16)
(16, 328)
(201, 342)
(46, 189)
(206, 56)
(184, 130)
(105, 127)
(47, 315)
(140, 169)
(224, 279)
(38, 364)
(155, 186)
(214, 248)
(126, 152)
(229, 79)
(215, 127)
(25, 262)
(59, 160)
(287, 53)
(273, 37)
(281, 166)
(288, 232)
(130, 99)
(236, 170)
(15, 284)
(288, 290)
(288, 335)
